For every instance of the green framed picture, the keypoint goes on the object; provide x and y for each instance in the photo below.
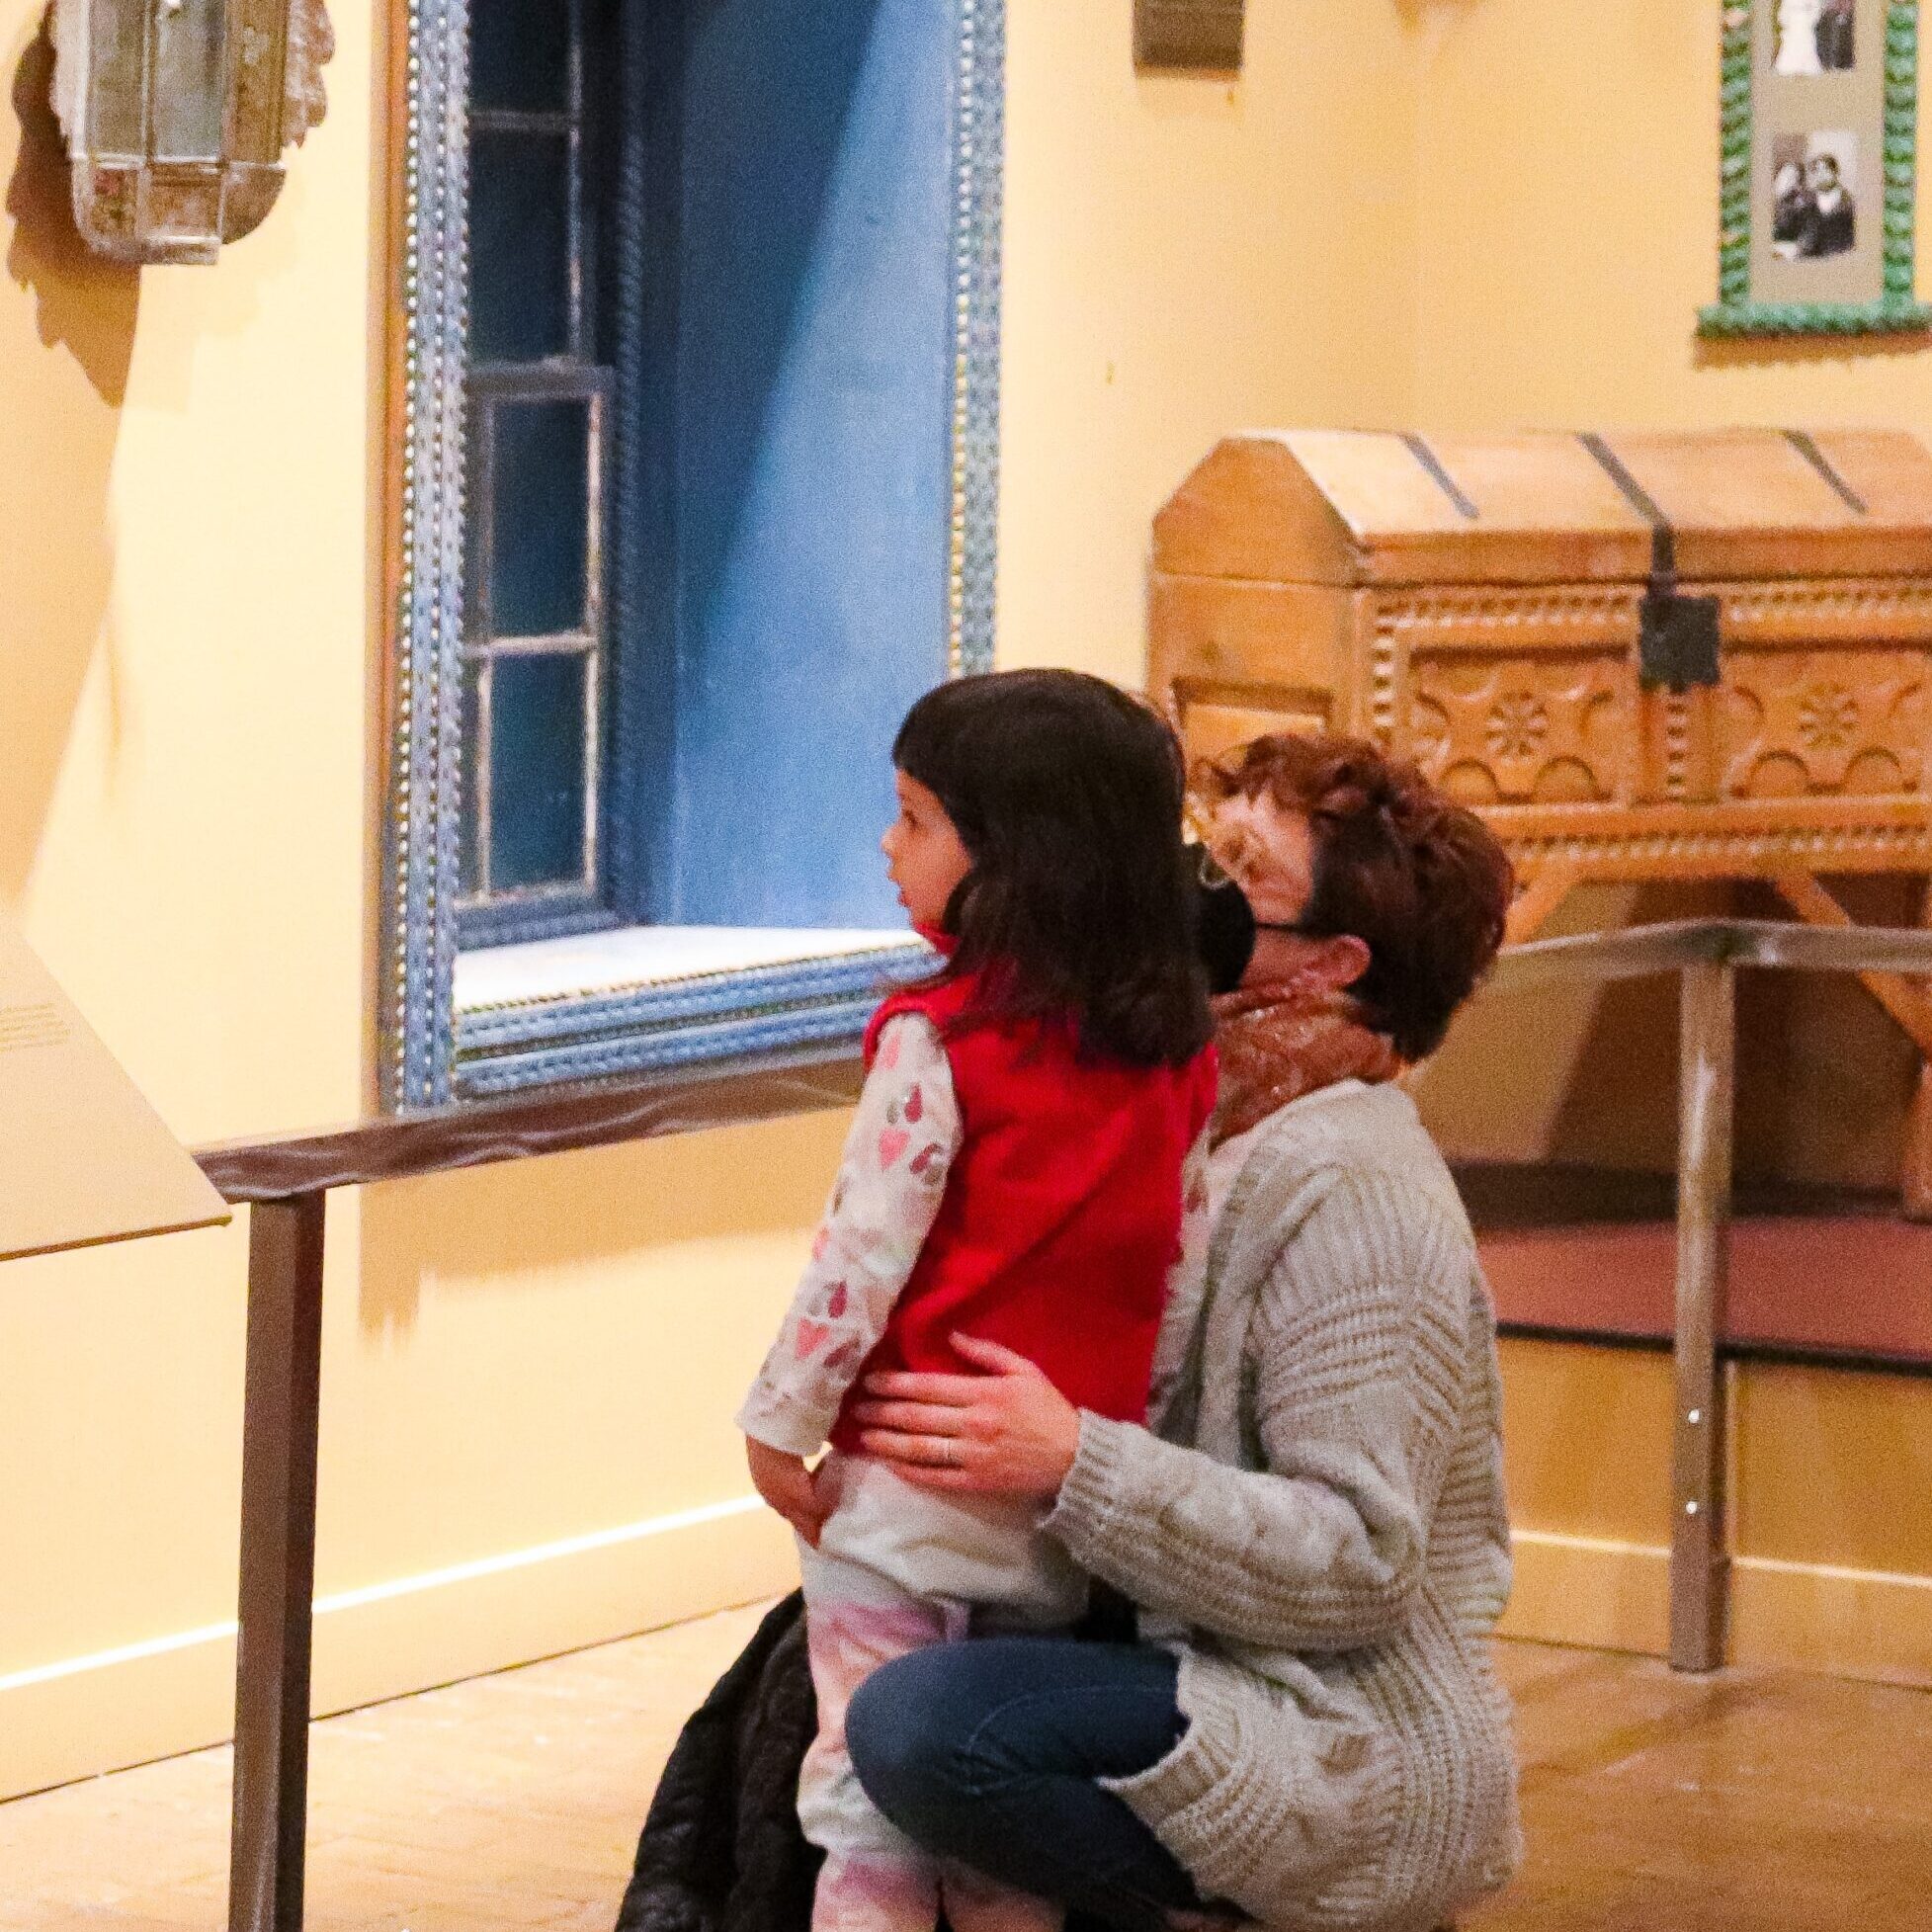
(1820, 154)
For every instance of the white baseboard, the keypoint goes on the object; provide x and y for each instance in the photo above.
(78, 1716)
(1603, 1595)
(1846, 1622)
(1616, 1596)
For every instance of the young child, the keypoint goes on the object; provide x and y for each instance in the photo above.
(1025, 1168)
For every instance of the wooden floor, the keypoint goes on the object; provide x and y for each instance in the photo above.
(1752, 1802)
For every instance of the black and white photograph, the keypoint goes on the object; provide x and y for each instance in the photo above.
(1815, 36)
(1818, 108)
(1813, 206)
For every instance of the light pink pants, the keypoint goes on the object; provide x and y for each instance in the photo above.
(898, 1568)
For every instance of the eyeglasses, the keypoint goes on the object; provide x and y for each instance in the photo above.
(1217, 877)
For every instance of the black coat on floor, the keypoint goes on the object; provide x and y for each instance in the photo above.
(721, 1849)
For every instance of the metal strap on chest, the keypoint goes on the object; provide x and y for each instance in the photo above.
(1806, 447)
(1443, 480)
(1677, 635)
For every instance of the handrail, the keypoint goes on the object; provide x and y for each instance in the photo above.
(599, 1114)
(1645, 951)
(546, 1121)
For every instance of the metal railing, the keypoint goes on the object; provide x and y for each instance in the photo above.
(286, 1182)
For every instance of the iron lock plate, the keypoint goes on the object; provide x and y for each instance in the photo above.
(1677, 640)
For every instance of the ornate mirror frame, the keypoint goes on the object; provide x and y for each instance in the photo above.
(419, 1041)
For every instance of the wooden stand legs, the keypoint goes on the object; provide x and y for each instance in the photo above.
(1918, 1123)
(1699, 1553)
(1700, 1563)
(278, 1563)
(1537, 902)
(1908, 1003)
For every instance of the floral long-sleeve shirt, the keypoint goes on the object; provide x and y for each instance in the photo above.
(892, 1175)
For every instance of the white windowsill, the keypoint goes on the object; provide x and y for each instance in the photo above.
(646, 955)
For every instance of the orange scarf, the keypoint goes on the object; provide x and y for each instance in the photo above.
(1278, 1043)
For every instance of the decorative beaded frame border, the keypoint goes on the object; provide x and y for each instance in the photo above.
(1735, 312)
(980, 173)
(417, 1035)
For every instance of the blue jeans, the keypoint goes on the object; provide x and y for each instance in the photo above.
(988, 1751)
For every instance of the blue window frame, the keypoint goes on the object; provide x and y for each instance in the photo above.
(694, 507)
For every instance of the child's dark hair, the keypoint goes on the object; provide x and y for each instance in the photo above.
(1080, 905)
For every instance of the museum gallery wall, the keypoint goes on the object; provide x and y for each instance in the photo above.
(520, 1362)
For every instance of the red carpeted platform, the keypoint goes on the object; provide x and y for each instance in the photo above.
(1593, 1257)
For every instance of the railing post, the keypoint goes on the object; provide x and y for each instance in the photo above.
(1699, 1557)
(278, 1563)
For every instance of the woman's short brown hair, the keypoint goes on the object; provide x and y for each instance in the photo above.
(1419, 879)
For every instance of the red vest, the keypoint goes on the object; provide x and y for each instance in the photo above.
(1060, 1215)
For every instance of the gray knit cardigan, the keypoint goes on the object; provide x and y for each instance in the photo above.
(1319, 1530)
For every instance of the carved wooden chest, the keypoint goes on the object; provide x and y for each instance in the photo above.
(1644, 655)
(1641, 656)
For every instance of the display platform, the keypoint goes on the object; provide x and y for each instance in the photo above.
(1816, 1273)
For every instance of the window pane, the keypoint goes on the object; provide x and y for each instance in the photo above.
(537, 771)
(519, 247)
(468, 873)
(539, 520)
(520, 54)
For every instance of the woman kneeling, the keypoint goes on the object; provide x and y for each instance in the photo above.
(1308, 1731)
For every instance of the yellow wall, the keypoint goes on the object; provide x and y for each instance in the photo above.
(1184, 257)
(1568, 163)
(1827, 1472)
(527, 1374)
(1438, 210)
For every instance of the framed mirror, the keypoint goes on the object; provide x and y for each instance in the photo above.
(693, 476)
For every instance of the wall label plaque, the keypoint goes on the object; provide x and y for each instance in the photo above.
(83, 1157)
(1189, 35)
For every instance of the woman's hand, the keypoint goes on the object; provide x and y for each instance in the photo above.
(1006, 1431)
(788, 1486)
